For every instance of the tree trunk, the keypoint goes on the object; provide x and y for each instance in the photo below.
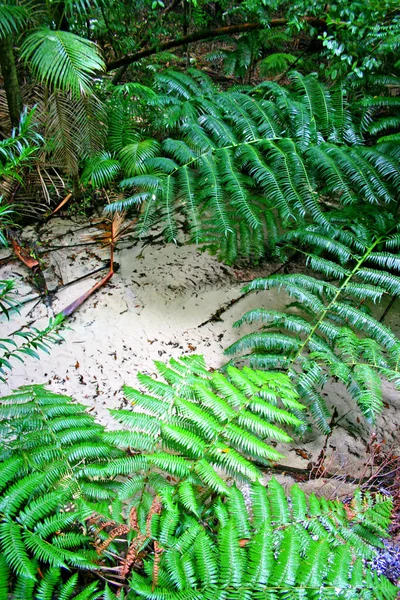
(59, 16)
(10, 77)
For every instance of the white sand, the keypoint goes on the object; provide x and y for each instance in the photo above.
(153, 309)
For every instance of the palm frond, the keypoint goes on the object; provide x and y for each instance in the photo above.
(100, 170)
(62, 60)
(13, 18)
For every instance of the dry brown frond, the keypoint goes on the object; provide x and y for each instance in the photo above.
(112, 230)
(155, 509)
(117, 531)
(158, 550)
(133, 520)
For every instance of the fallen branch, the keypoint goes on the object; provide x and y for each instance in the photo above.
(80, 244)
(73, 281)
(387, 309)
(77, 303)
(217, 315)
(200, 36)
(62, 203)
(308, 473)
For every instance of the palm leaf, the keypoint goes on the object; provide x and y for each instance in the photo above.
(62, 60)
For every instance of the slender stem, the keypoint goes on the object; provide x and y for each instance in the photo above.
(112, 257)
(387, 309)
(336, 296)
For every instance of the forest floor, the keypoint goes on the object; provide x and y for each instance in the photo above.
(162, 303)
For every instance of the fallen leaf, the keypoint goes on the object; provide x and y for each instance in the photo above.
(302, 453)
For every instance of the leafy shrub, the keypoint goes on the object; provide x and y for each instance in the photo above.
(290, 549)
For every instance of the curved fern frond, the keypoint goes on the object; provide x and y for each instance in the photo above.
(323, 336)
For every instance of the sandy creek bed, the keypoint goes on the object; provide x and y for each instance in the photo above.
(158, 306)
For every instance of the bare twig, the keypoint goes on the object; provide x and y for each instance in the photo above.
(62, 203)
(217, 315)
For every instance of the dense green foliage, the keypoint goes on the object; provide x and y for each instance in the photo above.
(242, 163)
(74, 498)
(274, 160)
(66, 47)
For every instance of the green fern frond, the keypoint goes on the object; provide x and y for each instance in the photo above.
(276, 63)
(17, 558)
(322, 334)
(204, 422)
(239, 156)
(134, 155)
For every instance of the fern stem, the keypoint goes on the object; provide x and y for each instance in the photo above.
(204, 155)
(212, 150)
(336, 296)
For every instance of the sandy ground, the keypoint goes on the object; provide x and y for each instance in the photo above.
(157, 306)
